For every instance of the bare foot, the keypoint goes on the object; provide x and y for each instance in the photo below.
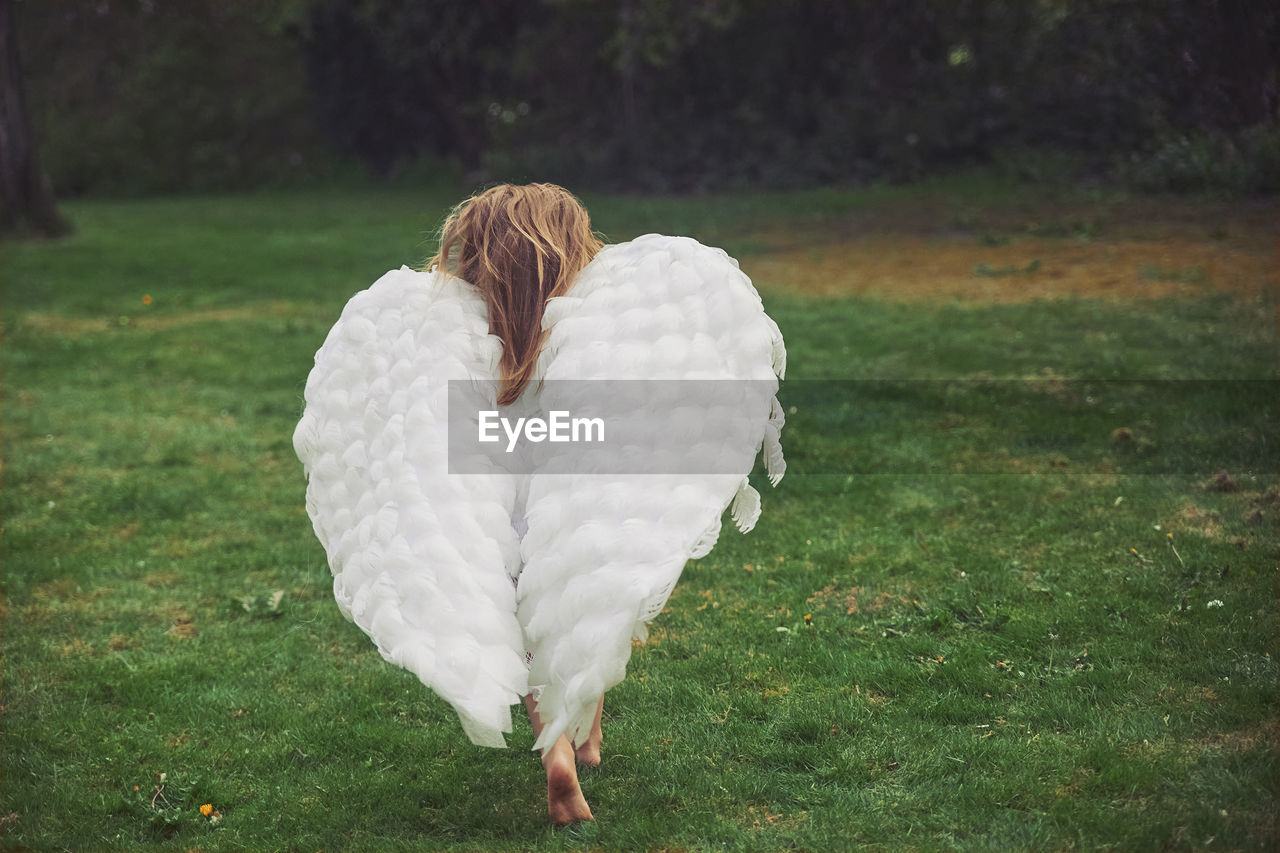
(565, 802)
(589, 752)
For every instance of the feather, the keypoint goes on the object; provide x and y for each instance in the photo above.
(774, 463)
(745, 510)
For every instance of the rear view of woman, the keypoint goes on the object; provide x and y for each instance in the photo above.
(497, 572)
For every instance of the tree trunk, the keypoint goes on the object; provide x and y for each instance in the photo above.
(26, 200)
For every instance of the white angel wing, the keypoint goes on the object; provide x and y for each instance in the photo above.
(423, 561)
(603, 550)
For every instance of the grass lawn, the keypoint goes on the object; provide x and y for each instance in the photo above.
(1017, 592)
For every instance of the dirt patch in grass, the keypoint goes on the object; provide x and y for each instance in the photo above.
(173, 741)
(657, 636)
(1071, 788)
(910, 268)
(873, 697)
(1261, 735)
(760, 817)
(62, 596)
(1137, 250)
(1191, 519)
(858, 600)
(183, 628)
(76, 648)
(185, 548)
(845, 598)
(76, 327)
(1242, 740)
(165, 578)
(121, 642)
(182, 622)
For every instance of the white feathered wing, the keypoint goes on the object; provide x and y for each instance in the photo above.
(423, 561)
(603, 551)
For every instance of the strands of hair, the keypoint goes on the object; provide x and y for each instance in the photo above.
(519, 246)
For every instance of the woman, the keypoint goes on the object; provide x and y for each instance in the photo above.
(494, 573)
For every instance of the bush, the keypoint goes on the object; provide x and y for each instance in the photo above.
(140, 96)
(150, 97)
(1244, 163)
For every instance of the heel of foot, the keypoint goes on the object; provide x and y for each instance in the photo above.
(588, 754)
(565, 802)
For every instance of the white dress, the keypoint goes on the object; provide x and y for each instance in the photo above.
(533, 572)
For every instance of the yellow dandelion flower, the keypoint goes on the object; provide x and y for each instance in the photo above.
(206, 809)
(146, 299)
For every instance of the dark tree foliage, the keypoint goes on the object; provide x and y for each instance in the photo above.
(394, 78)
(713, 92)
(146, 95)
(655, 94)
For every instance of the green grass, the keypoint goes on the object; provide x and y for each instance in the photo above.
(1005, 648)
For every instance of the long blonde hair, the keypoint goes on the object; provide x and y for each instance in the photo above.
(519, 246)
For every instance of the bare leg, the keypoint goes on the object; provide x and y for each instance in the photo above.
(589, 752)
(565, 802)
